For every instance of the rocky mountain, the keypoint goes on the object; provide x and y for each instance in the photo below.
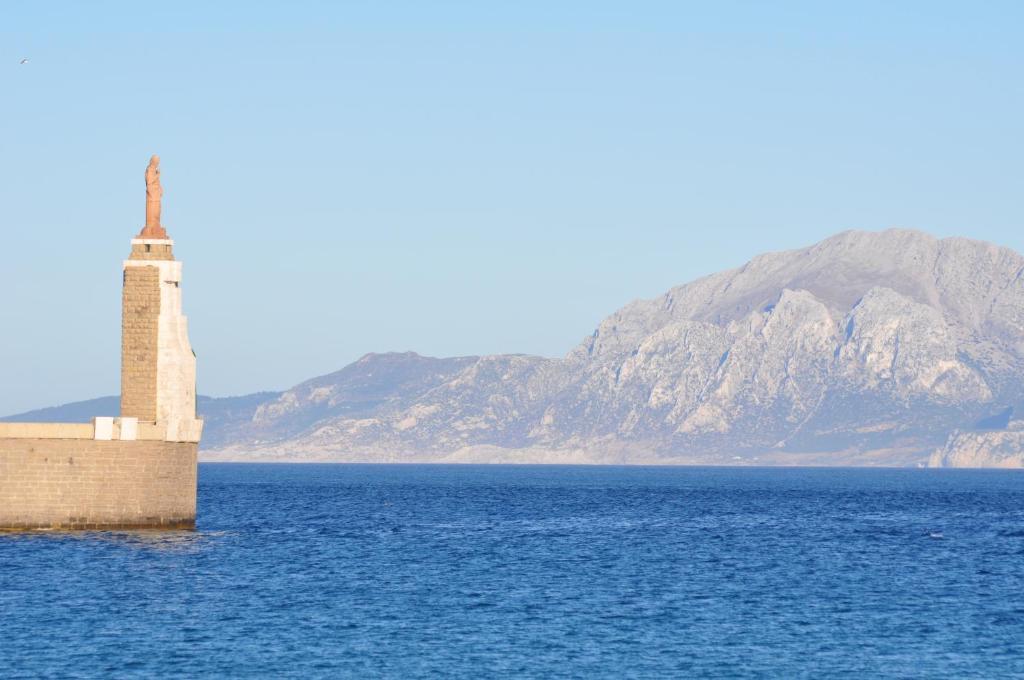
(867, 348)
(985, 448)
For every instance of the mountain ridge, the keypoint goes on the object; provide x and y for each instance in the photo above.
(865, 348)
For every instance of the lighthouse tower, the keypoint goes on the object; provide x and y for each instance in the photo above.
(139, 470)
(158, 367)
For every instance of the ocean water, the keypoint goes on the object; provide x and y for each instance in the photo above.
(477, 571)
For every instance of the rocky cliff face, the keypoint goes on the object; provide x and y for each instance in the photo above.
(867, 348)
(1003, 448)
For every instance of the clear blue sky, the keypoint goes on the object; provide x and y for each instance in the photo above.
(467, 177)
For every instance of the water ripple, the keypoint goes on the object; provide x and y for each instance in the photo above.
(419, 571)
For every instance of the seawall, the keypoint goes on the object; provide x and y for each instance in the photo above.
(111, 474)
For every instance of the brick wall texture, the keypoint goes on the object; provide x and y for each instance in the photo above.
(156, 251)
(87, 484)
(139, 319)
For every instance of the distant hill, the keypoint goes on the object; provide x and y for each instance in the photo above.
(76, 412)
(867, 348)
(223, 414)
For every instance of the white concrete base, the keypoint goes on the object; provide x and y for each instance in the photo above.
(129, 429)
(184, 430)
(103, 428)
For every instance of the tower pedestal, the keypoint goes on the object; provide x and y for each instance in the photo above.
(158, 367)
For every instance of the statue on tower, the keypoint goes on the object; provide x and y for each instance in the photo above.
(154, 192)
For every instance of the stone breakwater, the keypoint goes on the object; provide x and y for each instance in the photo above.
(59, 476)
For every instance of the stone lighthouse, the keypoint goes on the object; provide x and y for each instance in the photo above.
(158, 367)
(138, 470)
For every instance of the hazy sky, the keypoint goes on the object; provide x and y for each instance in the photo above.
(467, 177)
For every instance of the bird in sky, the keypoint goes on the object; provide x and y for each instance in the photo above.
(23, 61)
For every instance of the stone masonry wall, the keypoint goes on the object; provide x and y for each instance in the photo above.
(139, 329)
(152, 251)
(86, 484)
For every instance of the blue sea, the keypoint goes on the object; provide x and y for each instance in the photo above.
(535, 571)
